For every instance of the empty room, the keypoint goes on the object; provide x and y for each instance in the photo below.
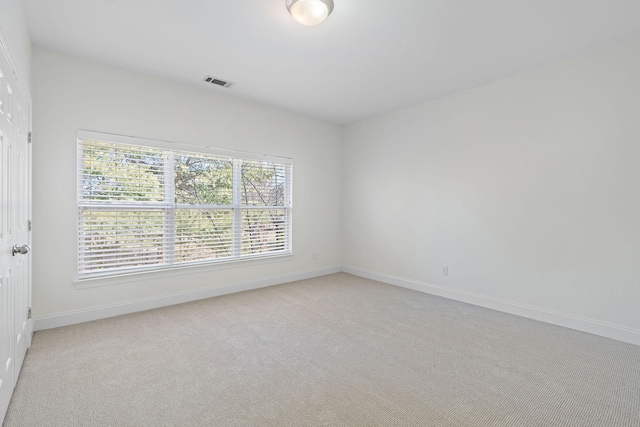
(319, 213)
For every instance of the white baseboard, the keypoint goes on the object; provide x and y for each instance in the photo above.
(616, 332)
(103, 312)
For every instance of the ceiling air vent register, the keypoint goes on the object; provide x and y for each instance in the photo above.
(217, 81)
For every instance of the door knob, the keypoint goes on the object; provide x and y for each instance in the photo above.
(22, 250)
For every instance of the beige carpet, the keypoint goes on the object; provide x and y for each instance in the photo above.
(337, 351)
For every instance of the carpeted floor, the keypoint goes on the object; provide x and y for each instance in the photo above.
(338, 351)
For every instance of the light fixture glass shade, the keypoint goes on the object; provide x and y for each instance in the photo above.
(309, 12)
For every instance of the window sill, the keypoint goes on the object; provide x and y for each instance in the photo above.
(139, 276)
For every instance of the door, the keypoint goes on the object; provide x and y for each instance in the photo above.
(15, 236)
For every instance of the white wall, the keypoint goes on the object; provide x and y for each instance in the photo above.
(527, 188)
(71, 94)
(14, 31)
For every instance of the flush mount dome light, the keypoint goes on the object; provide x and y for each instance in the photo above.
(310, 12)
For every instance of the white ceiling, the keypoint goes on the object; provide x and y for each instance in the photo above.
(369, 57)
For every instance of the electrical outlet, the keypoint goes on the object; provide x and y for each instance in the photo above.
(445, 270)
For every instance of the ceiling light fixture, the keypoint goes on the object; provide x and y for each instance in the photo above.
(309, 12)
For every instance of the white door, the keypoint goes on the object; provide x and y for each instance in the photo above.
(15, 236)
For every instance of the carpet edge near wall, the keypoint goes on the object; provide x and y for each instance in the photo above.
(612, 331)
(590, 326)
(127, 307)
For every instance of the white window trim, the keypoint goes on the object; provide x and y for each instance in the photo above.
(182, 270)
(101, 279)
(178, 146)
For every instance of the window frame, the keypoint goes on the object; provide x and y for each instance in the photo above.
(169, 204)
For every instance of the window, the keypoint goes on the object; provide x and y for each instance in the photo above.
(147, 205)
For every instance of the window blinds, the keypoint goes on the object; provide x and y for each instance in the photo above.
(143, 207)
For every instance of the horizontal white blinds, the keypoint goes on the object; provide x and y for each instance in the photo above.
(264, 230)
(143, 207)
(113, 173)
(121, 239)
(203, 234)
(264, 184)
(202, 179)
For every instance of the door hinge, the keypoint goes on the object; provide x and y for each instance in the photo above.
(29, 225)
(29, 138)
(29, 313)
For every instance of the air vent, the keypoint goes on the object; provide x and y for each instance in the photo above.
(217, 81)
